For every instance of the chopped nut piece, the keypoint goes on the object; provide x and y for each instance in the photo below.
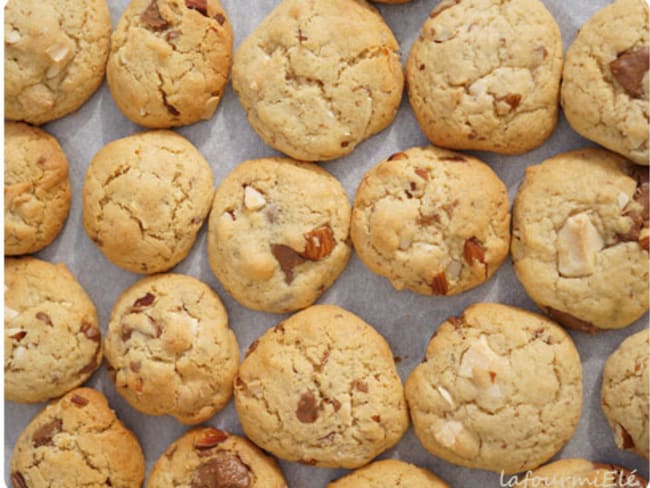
(320, 243)
(79, 400)
(45, 318)
(16, 334)
(198, 5)
(446, 395)
(439, 285)
(307, 411)
(578, 241)
(210, 438)
(253, 199)
(622, 199)
(398, 156)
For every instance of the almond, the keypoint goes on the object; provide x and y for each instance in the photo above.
(320, 243)
(210, 438)
(439, 284)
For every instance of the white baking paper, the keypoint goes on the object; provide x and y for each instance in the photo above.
(406, 319)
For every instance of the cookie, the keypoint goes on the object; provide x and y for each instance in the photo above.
(415, 222)
(37, 189)
(207, 457)
(170, 350)
(52, 339)
(278, 233)
(579, 473)
(389, 473)
(55, 56)
(144, 199)
(77, 441)
(321, 388)
(499, 389)
(170, 61)
(485, 75)
(580, 239)
(625, 393)
(317, 77)
(605, 80)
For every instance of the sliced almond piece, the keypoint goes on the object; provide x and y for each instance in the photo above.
(578, 241)
(446, 395)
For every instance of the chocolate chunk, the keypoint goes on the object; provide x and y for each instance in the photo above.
(198, 5)
(439, 285)
(43, 317)
(152, 19)
(628, 442)
(143, 302)
(512, 99)
(334, 402)
(570, 321)
(43, 435)
(629, 68)
(209, 438)
(344, 143)
(288, 259)
(79, 400)
(18, 335)
(126, 332)
(225, 470)
(135, 366)
(456, 322)
(220, 18)
(376, 418)
(361, 386)
(17, 480)
(307, 411)
(90, 332)
(92, 365)
(639, 216)
(458, 159)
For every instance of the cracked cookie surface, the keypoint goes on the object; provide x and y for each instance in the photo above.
(605, 81)
(415, 222)
(485, 75)
(317, 77)
(321, 388)
(77, 441)
(499, 389)
(389, 473)
(52, 338)
(37, 189)
(578, 473)
(580, 239)
(208, 457)
(170, 61)
(170, 350)
(625, 393)
(55, 56)
(145, 198)
(278, 233)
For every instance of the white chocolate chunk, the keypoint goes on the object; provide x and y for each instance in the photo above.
(480, 357)
(622, 200)
(447, 431)
(253, 200)
(453, 270)
(12, 37)
(57, 52)
(446, 395)
(578, 241)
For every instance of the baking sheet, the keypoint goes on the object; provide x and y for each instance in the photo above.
(406, 319)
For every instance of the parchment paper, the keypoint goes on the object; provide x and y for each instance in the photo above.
(406, 319)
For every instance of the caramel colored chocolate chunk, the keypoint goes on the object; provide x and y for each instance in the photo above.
(198, 5)
(43, 436)
(152, 19)
(225, 470)
(288, 259)
(629, 68)
(571, 322)
(307, 411)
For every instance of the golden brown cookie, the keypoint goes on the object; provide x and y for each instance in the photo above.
(499, 389)
(432, 221)
(278, 233)
(52, 341)
(485, 75)
(208, 457)
(605, 80)
(77, 441)
(317, 77)
(625, 393)
(37, 189)
(55, 56)
(170, 61)
(580, 239)
(145, 198)
(169, 348)
(389, 473)
(321, 388)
